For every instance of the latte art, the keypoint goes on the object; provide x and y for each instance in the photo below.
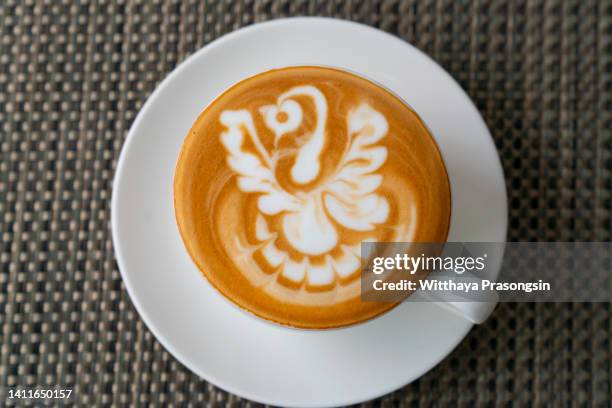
(347, 197)
(285, 174)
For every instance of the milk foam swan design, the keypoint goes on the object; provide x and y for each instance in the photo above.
(310, 218)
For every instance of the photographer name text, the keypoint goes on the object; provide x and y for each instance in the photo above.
(449, 285)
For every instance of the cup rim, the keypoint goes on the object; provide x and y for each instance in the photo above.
(228, 299)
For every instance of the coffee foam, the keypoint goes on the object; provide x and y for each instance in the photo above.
(285, 174)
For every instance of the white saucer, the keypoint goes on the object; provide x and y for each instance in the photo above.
(224, 345)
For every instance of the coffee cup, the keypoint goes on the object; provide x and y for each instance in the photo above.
(286, 173)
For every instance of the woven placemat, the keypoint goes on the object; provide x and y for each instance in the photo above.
(73, 75)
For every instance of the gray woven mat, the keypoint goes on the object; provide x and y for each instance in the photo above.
(73, 75)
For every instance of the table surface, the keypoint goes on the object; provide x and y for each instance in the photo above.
(73, 75)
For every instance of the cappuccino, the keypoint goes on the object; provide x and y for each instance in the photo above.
(283, 176)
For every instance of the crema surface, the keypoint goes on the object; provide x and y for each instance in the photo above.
(283, 176)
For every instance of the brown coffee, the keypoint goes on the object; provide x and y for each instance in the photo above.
(284, 175)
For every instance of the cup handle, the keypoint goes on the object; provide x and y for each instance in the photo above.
(474, 311)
